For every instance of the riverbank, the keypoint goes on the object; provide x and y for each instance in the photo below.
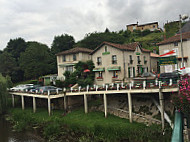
(78, 126)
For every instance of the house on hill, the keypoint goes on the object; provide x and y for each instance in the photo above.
(117, 62)
(148, 26)
(173, 43)
(67, 59)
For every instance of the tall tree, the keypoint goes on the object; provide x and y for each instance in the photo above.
(3, 94)
(62, 43)
(92, 40)
(15, 47)
(36, 60)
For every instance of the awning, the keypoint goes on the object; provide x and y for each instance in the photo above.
(65, 65)
(114, 68)
(86, 70)
(99, 69)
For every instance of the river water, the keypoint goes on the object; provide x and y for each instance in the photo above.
(7, 135)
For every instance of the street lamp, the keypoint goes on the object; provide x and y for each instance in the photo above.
(181, 18)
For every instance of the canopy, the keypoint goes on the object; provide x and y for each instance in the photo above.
(114, 68)
(86, 70)
(98, 69)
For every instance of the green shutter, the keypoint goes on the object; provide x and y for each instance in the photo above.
(129, 75)
(133, 71)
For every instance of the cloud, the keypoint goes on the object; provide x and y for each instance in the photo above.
(44, 19)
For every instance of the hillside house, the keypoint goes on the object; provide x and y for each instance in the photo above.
(67, 59)
(118, 62)
(149, 26)
(173, 43)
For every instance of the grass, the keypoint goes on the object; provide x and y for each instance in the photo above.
(92, 124)
(150, 37)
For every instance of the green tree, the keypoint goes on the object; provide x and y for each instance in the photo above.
(15, 47)
(36, 60)
(93, 40)
(62, 43)
(3, 94)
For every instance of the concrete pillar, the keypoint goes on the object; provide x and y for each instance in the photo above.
(34, 104)
(105, 105)
(85, 104)
(49, 106)
(65, 102)
(161, 98)
(13, 100)
(22, 99)
(130, 107)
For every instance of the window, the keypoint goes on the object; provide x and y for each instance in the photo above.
(99, 60)
(74, 57)
(69, 68)
(99, 75)
(115, 74)
(145, 61)
(153, 26)
(175, 43)
(63, 58)
(138, 59)
(106, 49)
(114, 59)
(130, 59)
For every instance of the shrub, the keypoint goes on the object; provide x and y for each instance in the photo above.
(3, 94)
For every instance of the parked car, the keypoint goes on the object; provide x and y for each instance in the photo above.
(167, 76)
(29, 88)
(148, 75)
(20, 87)
(51, 89)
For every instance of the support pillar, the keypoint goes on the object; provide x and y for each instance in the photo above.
(49, 106)
(130, 107)
(22, 99)
(105, 105)
(161, 98)
(13, 100)
(34, 104)
(65, 102)
(85, 104)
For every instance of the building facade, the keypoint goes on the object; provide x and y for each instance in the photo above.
(117, 63)
(149, 26)
(67, 59)
(173, 43)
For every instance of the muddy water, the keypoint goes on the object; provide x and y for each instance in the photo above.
(7, 135)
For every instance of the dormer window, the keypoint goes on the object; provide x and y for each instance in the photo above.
(106, 49)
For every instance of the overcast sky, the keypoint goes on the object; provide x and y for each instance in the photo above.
(41, 20)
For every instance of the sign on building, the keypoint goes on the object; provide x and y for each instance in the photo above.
(167, 60)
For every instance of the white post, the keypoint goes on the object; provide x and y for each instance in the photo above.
(37, 91)
(103, 85)
(160, 84)
(130, 84)
(105, 105)
(170, 82)
(48, 92)
(13, 100)
(79, 88)
(117, 87)
(49, 105)
(112, 84)
(57, 91)
(85, 104)
(87, 88)
(130, 107)
(144, 84)
(106, 87)
(34, 104)
(22, 98)
(71, 90)
(96, 87)
(156, 81)
(122, 84)
(161, 98)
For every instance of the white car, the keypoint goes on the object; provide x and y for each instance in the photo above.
(21, 87)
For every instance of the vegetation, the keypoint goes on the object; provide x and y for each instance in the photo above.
(3, 94)
(78, 126)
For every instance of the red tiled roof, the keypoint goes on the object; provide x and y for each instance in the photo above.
(175, 38)
(75, 50)
(128, 47)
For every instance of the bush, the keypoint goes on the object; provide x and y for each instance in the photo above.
(3, 94)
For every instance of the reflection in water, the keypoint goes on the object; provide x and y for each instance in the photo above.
(7, 135)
